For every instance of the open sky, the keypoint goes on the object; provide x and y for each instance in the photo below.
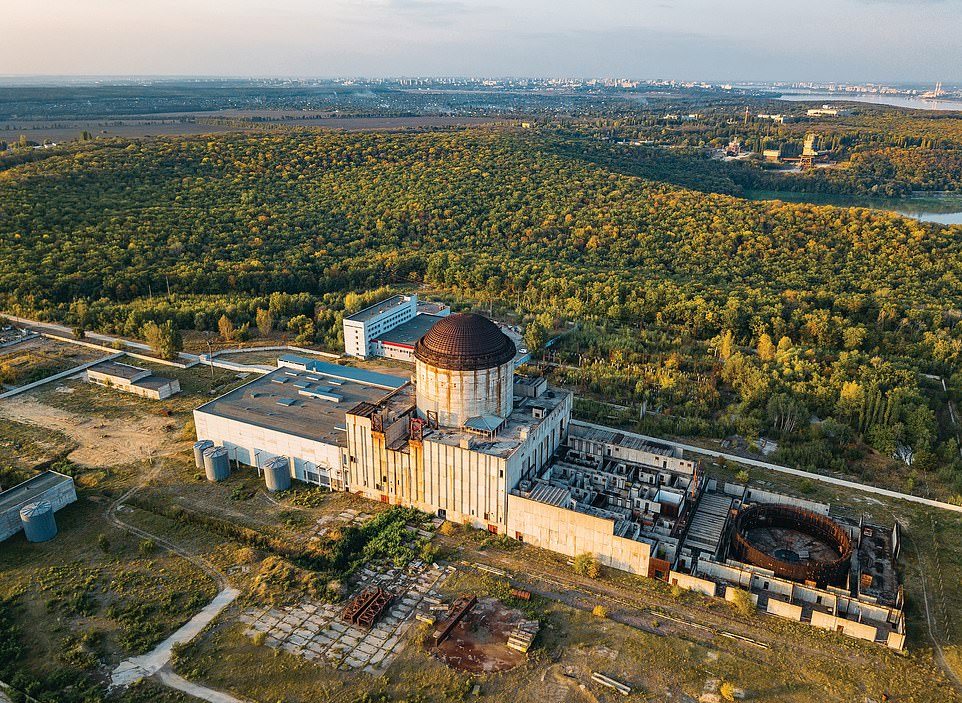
(845, 40)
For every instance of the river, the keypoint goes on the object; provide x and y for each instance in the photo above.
(875, 99)
(943, 208)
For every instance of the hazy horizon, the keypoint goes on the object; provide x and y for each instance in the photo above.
(912, 41)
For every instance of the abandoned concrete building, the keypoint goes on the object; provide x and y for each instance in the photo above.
(471, 442)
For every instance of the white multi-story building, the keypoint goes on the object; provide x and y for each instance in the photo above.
(364, 326)
(391, 327)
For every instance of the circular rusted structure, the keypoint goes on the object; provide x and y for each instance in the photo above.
(465, 342)
(785, 561)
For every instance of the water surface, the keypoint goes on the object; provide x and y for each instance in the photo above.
(943, 208)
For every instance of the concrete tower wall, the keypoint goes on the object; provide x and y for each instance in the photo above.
(456, 396)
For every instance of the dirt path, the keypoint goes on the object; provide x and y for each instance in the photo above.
(101, 441)
(169, 678)
(157, 661)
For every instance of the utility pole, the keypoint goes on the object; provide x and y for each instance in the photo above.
(210, 360)
(167, 279)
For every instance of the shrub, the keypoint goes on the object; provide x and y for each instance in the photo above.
(742, 601)
(447, 528)
(147, 547)
(428, 552)
(259, 638)
(742, 476)
(599, 611)
(587, 565)
(727, 691)
(103, 543)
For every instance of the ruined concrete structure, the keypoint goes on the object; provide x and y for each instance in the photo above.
(456, 447)
(471, 442)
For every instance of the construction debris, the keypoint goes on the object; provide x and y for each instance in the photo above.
(610, 683)
(521, 594)
(461, 607)
(366, 606)
(522, 637)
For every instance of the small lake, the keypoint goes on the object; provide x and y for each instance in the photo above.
(944, 209)
(893, 100)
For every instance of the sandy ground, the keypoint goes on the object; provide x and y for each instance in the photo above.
(102, 441)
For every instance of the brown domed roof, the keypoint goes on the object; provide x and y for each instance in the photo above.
(465, 342)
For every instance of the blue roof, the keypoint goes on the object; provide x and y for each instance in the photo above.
(347, 373)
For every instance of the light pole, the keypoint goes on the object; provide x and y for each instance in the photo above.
(210, 360)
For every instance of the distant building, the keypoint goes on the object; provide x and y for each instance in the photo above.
(390, 327)
(828, 111)
(55, 488)
(132, 379)
(777, 119)
(14, 335)
(773, 155)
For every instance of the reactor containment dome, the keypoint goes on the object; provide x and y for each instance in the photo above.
(464, 371)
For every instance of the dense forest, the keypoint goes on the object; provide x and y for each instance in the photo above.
(874, 152)
(810, 324)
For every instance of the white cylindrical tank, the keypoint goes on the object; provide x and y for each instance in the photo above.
(39, 524)
(277, 474)
(216, 463)
(464, 369)
(199, 447)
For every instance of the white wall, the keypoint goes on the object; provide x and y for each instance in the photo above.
(359, 333)
(253, 445)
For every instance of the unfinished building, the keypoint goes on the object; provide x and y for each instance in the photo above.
(471, 442)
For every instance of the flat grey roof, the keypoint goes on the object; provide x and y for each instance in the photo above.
(411, 331)
(340, 373)
(305, 403)
(372, 311)
(30, 490)
(118, 369)
(508, 439)
(155, 382)
(621, 439)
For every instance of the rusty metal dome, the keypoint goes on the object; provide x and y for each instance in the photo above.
(465, 342)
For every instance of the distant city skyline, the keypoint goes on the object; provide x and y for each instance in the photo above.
(739, 40)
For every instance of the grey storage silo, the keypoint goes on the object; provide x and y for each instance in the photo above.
(38, 521)
(199, 447)
(277, 474)
(216, 463)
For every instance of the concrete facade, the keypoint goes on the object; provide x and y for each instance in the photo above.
(55, 488)
(455, 474)
(572, 533)
(453, 397)
(312, 461)
(133, 380)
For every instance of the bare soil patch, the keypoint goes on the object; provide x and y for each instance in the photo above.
(479, 643)
(101, 441)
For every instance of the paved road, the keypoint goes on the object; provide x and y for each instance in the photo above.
(788, 470)
(136, 668)
(63, 331)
